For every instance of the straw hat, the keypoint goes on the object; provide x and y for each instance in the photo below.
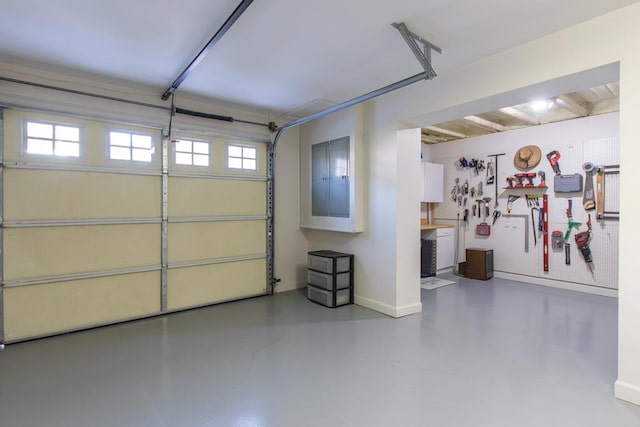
(527, 157)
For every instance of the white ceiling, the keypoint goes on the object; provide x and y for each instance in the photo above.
(281, 54)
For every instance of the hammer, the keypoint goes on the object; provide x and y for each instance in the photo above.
(486, 206)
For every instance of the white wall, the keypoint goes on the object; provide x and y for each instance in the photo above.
(499, 80)
(575, 140)
(408, 227)
(375, 248)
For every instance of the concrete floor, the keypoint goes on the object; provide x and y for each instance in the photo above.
(493, 353)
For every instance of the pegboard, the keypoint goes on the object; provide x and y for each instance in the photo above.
(612, 192)
(603, 151)
(577, 144)
(607, 153)
(604, 250)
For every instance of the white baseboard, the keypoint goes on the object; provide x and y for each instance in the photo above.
(364, 302)
(387, 309)
(628, 392)
(407, 310)
(613, 293)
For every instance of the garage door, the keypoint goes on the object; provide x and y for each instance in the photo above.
(106, 222)
(217, 220)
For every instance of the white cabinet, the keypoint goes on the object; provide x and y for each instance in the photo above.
(433, 182)
(444, 248)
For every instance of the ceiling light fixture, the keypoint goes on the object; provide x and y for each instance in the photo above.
(541, 105)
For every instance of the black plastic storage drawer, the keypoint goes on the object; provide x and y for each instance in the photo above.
(329, 298)
(329, 261)
(330, 278)
(330, 282)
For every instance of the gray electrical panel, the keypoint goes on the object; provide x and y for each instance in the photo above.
(330, 178)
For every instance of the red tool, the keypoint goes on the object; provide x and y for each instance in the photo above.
(542, 176)
(571, 224)
(483, 229)
(553, 158)
(487, 212)
(545, 232)
(530, 177)
(582, 242)
(520, 178)
(510, 180)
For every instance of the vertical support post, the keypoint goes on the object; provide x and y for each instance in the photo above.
(270, 209)
(1, 227)
(165, 221)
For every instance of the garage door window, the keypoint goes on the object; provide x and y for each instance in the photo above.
(136, 147)
(52, 139)
(191, 152)
(242, 157)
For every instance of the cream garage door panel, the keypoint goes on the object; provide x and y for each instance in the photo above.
(215, 197)
(50, 251)
(98, 221)
(37, 310)
(48, 194)
(194, 286)
(210, 240)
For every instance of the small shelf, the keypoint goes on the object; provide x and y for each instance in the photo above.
(535, 187)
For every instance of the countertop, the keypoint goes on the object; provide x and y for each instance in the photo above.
(426, 226)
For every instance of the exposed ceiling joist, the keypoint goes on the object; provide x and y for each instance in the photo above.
(582, 103)
(446, 132)
(432, 139)
(614, 88)
(605, 106)
(568, 103)
(485, 124)
(510, 111)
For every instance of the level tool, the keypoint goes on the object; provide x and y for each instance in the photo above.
(545, 231)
